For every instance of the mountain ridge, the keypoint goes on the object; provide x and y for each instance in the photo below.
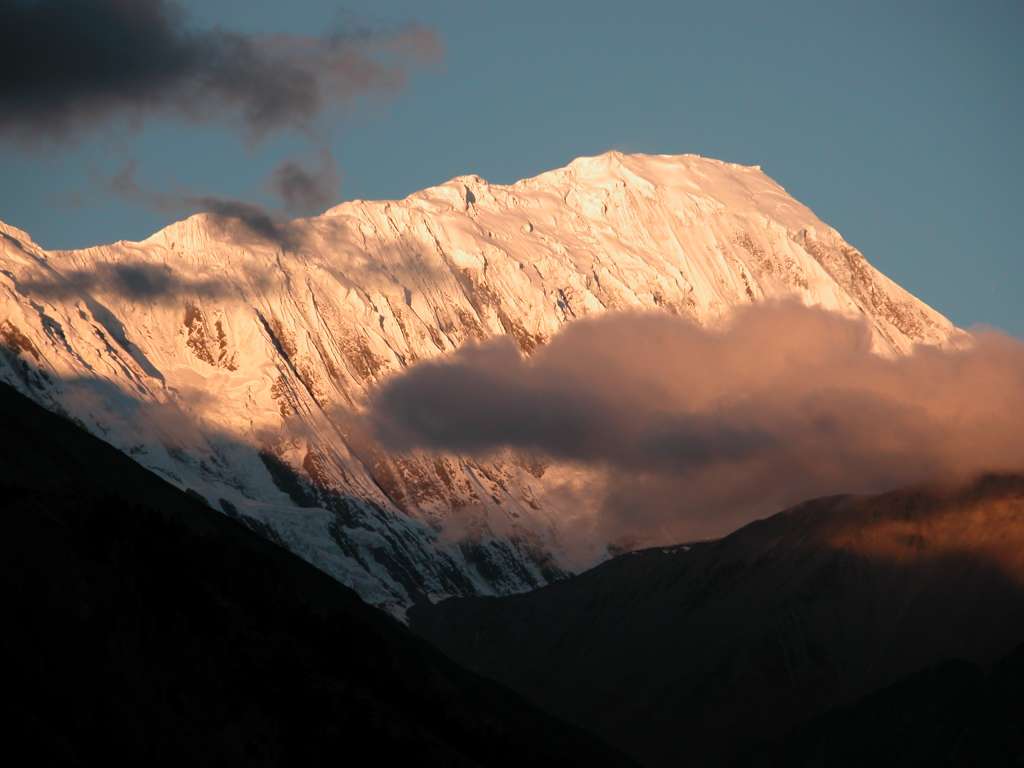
(233, 355)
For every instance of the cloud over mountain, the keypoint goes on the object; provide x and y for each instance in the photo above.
(305, 191)
(134, 281)
(695, 430)
(233, 217)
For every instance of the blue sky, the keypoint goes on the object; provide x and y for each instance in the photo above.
(898, 123)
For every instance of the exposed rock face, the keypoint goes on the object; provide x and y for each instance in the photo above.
(233, 366)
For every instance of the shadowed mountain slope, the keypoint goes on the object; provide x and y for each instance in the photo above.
(143, 626)
(711, 650)
(948, 714)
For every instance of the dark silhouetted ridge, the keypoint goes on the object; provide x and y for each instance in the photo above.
(951, 713)
(714, 652)
(144, 628)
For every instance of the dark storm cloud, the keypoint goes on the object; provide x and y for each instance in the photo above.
(695, 431)
(66, 66)
(305, 191)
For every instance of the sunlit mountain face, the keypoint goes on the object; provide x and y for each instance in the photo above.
(235, 356)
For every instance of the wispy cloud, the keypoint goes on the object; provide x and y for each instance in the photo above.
(66, 67)
(304, 191)
(236, 217)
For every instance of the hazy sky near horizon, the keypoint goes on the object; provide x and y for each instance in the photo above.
(897, 123)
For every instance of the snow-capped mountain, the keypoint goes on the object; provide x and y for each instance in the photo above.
(232, 357)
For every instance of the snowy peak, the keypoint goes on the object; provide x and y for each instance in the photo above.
(233, 356)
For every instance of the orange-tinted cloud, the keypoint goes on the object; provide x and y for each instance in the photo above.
(696, 431)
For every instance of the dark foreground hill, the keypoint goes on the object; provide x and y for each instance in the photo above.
(142, 626)
(952, 713)
(715, 652)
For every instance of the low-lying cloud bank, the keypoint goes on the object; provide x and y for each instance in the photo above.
(696, 431)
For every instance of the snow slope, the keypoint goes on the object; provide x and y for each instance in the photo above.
(230, 358)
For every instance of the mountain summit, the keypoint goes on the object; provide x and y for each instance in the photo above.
(232, 356)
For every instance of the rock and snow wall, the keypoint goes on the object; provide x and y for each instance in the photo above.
(236, 365)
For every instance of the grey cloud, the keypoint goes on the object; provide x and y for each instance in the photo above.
(305, 191)
(68, 66)
(696, 431)
(236, 218)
